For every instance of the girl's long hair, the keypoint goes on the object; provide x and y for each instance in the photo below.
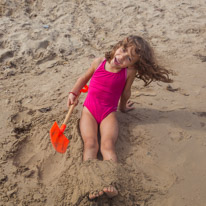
(147, 67)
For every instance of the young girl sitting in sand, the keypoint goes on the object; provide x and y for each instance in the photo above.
(111, 81)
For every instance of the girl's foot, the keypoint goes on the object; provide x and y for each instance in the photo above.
(110, 191)
(94, 195)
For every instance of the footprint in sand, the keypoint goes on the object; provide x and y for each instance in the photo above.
(179, 135)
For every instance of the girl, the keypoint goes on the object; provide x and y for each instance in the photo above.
(111, 81)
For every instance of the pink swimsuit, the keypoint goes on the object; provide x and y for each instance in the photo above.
(104, 92)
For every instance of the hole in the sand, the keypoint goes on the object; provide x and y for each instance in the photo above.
(6, 55)
(201, 57)
(45, 109)
(201, 114)
(20, 130)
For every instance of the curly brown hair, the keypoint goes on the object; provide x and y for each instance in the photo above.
(147, 67)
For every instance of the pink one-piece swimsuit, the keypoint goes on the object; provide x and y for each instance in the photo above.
(104, 92)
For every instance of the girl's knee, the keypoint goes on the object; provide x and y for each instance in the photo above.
(90, 143)
(108, 150)
(107, 145)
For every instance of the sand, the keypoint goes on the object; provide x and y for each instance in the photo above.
(45, 46)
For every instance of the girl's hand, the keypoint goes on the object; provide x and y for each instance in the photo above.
(71, 100)
(128, 107)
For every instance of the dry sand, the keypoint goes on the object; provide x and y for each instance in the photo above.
(45, 46)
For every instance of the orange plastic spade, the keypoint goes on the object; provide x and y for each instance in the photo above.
(58, 139)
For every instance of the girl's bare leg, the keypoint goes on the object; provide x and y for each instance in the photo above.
(109, 133)
(89, 129)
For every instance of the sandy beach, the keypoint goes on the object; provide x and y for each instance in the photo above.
(45, 46)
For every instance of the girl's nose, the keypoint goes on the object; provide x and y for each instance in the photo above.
(123, 56)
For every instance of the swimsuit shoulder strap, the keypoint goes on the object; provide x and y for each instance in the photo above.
(101, 64)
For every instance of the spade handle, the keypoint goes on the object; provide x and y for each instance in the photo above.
(71, 108)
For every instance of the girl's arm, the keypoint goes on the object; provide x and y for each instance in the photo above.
(126, 105)
(82, 81)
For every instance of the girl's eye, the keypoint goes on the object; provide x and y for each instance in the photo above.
(123, 49)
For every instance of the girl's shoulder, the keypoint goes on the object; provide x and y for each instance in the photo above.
(97, 61)
(131, 72)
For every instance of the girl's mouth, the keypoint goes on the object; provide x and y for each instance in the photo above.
(116, 61)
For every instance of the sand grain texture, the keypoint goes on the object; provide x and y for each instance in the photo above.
(45, 46)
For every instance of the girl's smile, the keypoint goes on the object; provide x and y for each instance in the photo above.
(124, 57)
(116, 61)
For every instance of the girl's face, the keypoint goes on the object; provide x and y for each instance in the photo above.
(124, 57)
